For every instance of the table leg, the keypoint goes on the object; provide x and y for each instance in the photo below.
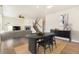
(32, 46)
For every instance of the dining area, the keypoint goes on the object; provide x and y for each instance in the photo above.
(45, 40)
(40, 38)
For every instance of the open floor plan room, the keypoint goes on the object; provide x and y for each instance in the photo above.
(39, 29)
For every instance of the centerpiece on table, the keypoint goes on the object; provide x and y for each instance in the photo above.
(37, 27)
(40, 34)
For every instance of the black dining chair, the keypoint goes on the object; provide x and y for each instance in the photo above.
(54, 40)
(46, 43)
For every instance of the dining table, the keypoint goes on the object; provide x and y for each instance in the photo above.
(33, 38)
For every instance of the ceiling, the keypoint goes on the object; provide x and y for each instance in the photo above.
(32, 10)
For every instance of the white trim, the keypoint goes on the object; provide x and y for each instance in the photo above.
(72, 40)
(75, 41)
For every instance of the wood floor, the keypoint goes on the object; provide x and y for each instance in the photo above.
(20, 46)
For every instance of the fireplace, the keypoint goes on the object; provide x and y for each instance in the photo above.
(16, 28)
(27, 27)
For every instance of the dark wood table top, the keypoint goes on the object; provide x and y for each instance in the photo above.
(35, 36)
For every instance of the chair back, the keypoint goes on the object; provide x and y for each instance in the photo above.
(48, 39)
(53, 31)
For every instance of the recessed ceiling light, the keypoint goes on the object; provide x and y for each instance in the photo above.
(49, 7)
(37, 6)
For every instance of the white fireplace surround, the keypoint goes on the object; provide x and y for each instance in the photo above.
(10, 27)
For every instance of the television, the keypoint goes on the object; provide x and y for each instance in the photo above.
(16, 28)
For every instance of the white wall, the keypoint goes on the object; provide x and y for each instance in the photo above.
(0, 18)
(52, 21)
(16, 22)
(0, 22)
(10, 17)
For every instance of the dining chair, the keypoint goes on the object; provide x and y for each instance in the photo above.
(54, 40)
(45, 43)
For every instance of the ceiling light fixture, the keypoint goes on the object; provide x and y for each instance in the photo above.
(37, 6)
(49, 7)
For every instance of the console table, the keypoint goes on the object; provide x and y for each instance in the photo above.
(62, 33)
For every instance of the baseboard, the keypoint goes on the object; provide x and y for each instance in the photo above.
(75, 41)
(68, 39)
